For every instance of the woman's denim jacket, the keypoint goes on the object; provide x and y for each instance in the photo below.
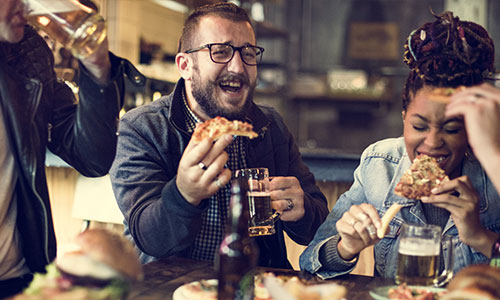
(380, 169)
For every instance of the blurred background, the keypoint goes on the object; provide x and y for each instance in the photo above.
(332, 68)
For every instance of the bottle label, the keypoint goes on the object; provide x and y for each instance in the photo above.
(245, 290)
(236, 286)
(495, 262)
(495, 254)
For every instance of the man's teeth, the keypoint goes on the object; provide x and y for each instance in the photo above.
(440, 159)
(231, 84)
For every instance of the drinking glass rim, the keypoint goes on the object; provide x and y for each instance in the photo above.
(250, 170)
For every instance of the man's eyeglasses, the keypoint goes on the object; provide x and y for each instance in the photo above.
(223, 53)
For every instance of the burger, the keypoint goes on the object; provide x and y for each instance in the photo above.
(475, 282)
(101, 267)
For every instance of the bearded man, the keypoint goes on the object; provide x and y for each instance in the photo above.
(174, 191)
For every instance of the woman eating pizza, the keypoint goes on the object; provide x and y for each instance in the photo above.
(447, 54)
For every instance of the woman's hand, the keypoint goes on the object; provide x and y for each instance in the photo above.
(464, 210)
(357, 229)
(480, 108)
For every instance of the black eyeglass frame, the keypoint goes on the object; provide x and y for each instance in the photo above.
(209, 47)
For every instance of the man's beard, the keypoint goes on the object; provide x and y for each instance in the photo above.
(205, 92)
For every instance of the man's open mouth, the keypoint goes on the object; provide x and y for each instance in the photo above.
(231, 86)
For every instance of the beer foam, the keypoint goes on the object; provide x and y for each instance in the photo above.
(418, 247)
(258, 194)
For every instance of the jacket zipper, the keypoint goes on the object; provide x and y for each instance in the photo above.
(117, 90)
(33, 173)
(49, 132)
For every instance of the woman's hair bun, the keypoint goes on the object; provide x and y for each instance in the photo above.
(450, 52)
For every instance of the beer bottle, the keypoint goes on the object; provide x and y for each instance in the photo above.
(237, 256)
(495, 254)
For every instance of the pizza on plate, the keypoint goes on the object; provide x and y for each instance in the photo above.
(218, 126)
(443, 94)
(404, 292)
(423, 175)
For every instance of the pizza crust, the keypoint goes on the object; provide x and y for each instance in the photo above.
(443, 94)
(219, 126)
(387, 218)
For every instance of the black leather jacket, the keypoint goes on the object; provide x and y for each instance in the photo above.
(41, 112)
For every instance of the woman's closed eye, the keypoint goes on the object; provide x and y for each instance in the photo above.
(420, 127)
(453, 130)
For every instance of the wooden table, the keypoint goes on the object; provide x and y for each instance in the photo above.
(164, 276)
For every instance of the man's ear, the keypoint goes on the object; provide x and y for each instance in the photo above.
(184, 65)
(403, 115)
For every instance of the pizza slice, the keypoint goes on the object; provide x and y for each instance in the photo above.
(422, 176)
(443, 94)
(218, 126)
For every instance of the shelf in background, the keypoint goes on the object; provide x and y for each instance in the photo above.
(268, 30)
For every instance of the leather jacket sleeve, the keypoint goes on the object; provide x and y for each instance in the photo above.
(83, 132)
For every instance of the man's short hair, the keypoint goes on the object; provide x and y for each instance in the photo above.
(224, 10)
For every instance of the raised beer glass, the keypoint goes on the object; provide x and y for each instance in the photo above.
(419, 256)
(262, 217)
(77, 27)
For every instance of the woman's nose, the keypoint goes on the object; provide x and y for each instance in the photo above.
(434, 139)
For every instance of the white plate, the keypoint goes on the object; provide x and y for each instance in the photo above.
(382, 292)
(283, 291)
(185, 291)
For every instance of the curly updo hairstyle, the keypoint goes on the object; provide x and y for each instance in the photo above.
(447, 53)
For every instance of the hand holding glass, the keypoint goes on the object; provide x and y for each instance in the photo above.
(77, 27)
(419, 254)
(262, 218)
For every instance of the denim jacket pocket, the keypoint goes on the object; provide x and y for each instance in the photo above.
(386, 249)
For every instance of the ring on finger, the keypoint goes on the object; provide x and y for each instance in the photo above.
(290, 204)
(473, 99)
(217, 182)
(371, 229)
(202, 166)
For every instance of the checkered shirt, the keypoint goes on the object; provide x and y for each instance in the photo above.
(213, 220)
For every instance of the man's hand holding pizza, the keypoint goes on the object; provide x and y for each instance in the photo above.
(201, 171)
(287, 196)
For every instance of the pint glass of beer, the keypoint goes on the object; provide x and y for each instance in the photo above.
(419, 256)
(262, 217)
(77, 27)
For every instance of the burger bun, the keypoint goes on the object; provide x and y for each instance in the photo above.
(473, 282)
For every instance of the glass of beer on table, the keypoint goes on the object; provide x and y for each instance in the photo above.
(262, 217)
(419, 256)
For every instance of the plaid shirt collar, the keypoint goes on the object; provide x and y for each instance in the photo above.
(191, 118)
(214, 219)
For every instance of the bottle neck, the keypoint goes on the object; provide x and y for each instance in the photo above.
(239, 208)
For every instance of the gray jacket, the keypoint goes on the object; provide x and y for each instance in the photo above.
(162, 223)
